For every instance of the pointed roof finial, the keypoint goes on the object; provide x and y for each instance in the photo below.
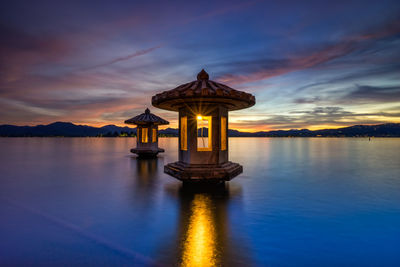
(147, 111)
(203, 75)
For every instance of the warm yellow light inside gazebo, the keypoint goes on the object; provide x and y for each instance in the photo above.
(144, 135)
(223, 133)
(183, 133)
(204, 139)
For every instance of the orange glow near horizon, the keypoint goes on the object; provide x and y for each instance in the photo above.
(244, 128)
(247, 126)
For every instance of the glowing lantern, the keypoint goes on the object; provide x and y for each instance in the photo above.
(146, 132)
(203, 107)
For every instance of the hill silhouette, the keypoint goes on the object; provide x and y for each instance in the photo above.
(68, 129)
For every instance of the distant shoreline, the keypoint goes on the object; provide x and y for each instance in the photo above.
(67, 129)
(240, 137)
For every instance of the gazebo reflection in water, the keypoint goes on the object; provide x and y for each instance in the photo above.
(205, 238)
(199, 244)
(202, 235)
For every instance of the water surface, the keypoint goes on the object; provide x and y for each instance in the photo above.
(299, 201)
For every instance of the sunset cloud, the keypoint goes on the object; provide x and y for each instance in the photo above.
(309, 66)
(127, 57)
(258, 68)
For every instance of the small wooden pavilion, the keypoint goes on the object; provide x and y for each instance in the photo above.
(147, 134)
(203, 107)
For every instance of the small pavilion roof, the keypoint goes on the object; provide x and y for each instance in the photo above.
(146, 118)
(205, 91)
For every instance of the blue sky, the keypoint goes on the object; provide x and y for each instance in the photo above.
(310, 64)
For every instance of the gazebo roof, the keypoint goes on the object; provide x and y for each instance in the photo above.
(203, 91)
(146, 118)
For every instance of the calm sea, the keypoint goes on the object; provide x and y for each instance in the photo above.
(299, 202)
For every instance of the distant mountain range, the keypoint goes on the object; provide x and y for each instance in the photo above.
(68, 129)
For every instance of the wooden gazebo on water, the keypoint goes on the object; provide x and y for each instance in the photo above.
(203, 107)
(147, 134)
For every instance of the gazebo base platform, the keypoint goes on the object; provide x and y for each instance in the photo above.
(203, 173)
(147, 153)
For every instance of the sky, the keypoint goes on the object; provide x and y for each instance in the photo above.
(310, 64)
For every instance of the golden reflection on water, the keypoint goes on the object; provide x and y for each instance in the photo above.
(199, 246)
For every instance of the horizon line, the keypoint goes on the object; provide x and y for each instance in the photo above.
(166, 127)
